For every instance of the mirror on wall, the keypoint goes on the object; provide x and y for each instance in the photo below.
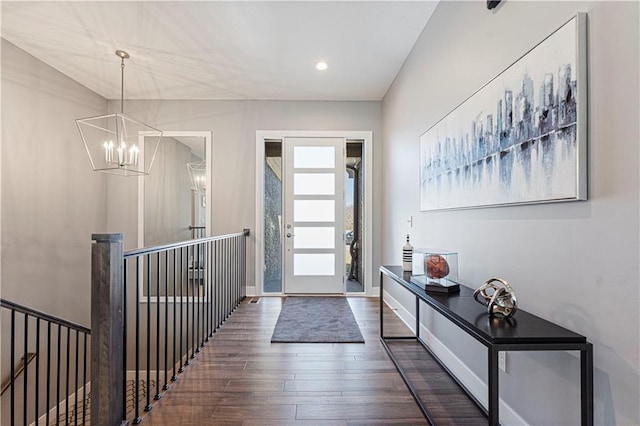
(174, 198)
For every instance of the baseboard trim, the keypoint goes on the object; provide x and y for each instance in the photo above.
(56, 411)
(475, 385)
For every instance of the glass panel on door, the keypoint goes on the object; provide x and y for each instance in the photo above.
(314, 215)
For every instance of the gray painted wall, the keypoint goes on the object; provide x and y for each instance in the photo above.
(234, 125)
(575, 264)
(51, 199)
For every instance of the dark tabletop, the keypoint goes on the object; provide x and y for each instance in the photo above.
(471, 316)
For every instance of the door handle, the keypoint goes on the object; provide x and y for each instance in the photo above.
(289, 235)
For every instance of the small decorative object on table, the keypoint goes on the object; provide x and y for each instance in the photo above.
(436, 270)
(407, 255)
(499, 299)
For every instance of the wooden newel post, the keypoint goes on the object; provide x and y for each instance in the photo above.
(107, 364)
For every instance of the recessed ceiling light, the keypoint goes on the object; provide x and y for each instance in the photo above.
(321, 65)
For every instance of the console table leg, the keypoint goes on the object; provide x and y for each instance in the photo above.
(494, 415)
(586, 385)
(381, 305)
(417, 318)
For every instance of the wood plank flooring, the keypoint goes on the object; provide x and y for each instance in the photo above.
(241, 378)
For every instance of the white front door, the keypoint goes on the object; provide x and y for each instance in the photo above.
(314, 248)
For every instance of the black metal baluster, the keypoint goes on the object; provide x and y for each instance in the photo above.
(232, 275)
(223, 281)
(214, 266)
(66, 386)
(194, 343)
(186, 337)
(174, 377)
(205, 286)
(84, 380)
(166, 319)
(13, 363)
(214, 285)
(58, 376)
(197, 298)
(240, 245)
(227, 274)
(229, 280)
(37, 378)
(203, 293)
(234, 258)
(47, 406)
(24, 360)
(136, 382)
(236, 298)
(244, 266)
(148, 407)
(240, 267)
(219, 304)
(235, 273)
(204, 289)
(181, 369)
(125, 332)
(76, 375)
(158, 279)
(209, 288)
(200, 299)
(222, 284)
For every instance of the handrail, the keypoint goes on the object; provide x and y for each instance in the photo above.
(52, 386)
(157, 249)
(44, 316)
(167, 309)
(23, 364)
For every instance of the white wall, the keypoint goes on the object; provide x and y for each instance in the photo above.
(575, 264)
(234, 125)
(51, 199)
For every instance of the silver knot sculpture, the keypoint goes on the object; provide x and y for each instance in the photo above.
(499, 299)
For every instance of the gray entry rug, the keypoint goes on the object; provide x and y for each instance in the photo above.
(316, 320)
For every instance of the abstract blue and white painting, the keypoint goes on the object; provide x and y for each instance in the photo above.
(519, 139)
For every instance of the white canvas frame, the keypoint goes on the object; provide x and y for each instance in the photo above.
(540, 157)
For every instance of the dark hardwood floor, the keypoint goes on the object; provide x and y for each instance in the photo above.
(241, 378)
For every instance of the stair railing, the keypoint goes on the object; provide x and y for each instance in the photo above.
(46, 377)
(152, 310)
(169, 300)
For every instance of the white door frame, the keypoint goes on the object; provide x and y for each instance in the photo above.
(367, 143)
(208, 147)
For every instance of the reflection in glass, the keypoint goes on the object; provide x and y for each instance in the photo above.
(273, 217)
(354, 221)
(314, 210)
(314, 238)
(314, 184)
(314, 157)
(313, 264)
(173, 212)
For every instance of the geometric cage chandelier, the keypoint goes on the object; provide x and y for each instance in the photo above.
(198, 175)
(118, 144)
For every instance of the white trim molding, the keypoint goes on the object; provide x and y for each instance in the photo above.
(208, 149)
(367, 139)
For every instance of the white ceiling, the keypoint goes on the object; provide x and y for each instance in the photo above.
(222, 49)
